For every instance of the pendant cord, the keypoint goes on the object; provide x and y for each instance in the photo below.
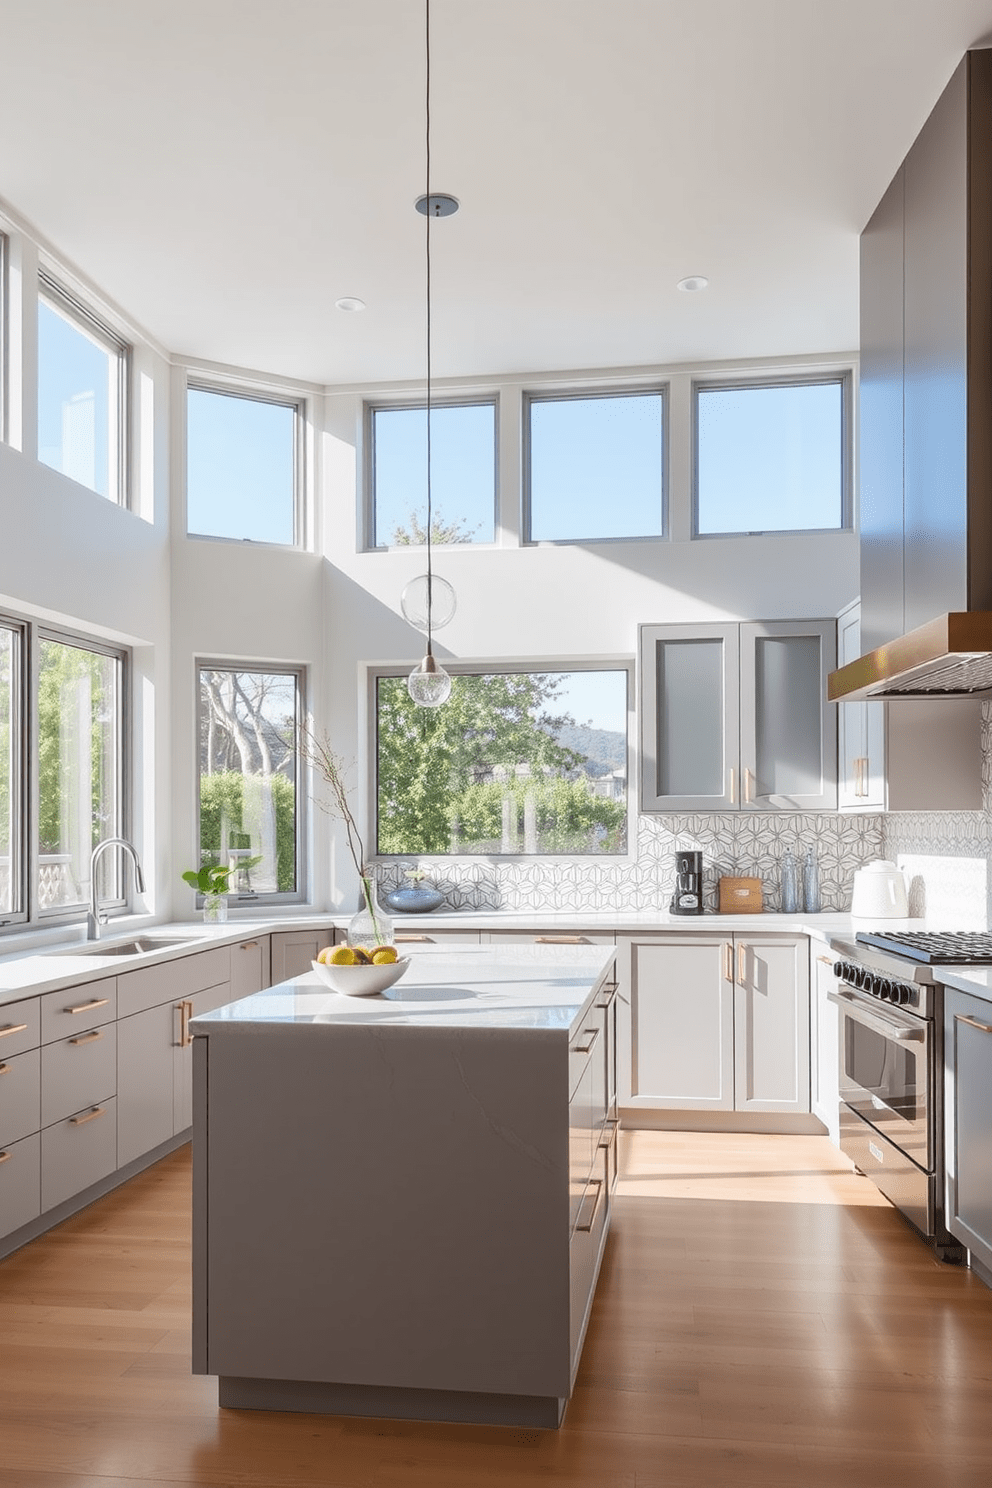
(430, 585)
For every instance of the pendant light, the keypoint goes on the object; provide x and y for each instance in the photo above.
(429, 684)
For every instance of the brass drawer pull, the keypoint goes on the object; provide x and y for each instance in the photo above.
(560, 940)
(4, 1157)
(406, 939)
(609, 1136)
(826, 961)
(90, 1116)
(12, 1028)
(973, 1023)
(728, 961)
(597, 1184)
(733, 786)
(4, 1069)
(587, 1048)
(87, 1007)
(742, 965)
(87, 1038)
(185, 1013)
(248, 945)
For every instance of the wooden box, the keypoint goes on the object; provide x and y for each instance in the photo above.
(740, 896)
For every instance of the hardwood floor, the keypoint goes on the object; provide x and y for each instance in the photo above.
(763, 1319)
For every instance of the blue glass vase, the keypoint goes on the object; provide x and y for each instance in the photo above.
(414, 899)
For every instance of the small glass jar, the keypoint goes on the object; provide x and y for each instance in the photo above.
(215, 909)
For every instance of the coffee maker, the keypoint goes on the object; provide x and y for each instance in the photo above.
(688, 896)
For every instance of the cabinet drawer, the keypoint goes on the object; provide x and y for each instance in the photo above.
(73, 1010)
(20, 1027)
(550, 937)
(172, 980)
(584, 1249)
(20, 1095)
(435, 937)
(78, 1152)
(20, 1183)
(79, 1071)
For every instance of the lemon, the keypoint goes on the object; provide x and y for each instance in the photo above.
(361, 955)
(384, 955)
(339, 956)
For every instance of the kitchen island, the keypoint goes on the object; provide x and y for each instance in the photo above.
(401, 1202)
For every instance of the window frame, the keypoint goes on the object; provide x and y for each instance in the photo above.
(411, 405)
(26, 808)
(280, 669)
(845, 379)
(271, 396)
(4, 336)
(488, 667)
(660, 389)
(90, 323)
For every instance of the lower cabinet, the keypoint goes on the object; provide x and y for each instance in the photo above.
(292, 952)
(968, 1123)
(715, 1023)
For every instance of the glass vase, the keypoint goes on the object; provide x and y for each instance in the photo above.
(371, 926)
(215, 909)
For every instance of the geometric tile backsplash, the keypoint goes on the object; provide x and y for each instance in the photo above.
(733, 843)
(945, 855)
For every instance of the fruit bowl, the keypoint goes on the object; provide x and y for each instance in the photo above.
(361, 981)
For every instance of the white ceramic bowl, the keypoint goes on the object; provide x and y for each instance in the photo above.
(361, 981)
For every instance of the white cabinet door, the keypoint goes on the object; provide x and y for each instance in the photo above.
(682, 1024)
(147, 1048)
(293, 951)
(861, 731)
(824, 1020)
(771, 1025)
(788, 729)
(249, 966)
(201, 1002)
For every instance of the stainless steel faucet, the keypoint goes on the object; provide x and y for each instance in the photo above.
(96, 917)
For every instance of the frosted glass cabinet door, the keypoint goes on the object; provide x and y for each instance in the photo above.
(689, 714)
(788, 729)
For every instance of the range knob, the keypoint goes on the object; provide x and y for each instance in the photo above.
(901, 993)
(886, 990)
(840, 968)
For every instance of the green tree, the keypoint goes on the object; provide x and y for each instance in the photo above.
(222, 799)
(436, 766)
(414, 534)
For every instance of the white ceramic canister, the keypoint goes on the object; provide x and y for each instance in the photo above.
(879, 892)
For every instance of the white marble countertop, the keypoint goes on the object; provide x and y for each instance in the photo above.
(974, 979)
(459, 987)
(47, 963)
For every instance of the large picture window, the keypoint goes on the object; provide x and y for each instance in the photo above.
(82, 394)
(65, 793)
(595, 467)
(243, 467)
(771, 457)
(463, 474)
(516, 762)
(249, 722)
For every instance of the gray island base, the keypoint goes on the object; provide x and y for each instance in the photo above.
(401, 1202)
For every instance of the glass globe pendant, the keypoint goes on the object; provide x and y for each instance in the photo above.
(428, 602)
(429, 685)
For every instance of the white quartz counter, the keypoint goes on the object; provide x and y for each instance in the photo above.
(29, 970)
(482, 987)
(974, 979)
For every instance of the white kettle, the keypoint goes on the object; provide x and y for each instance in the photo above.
(879, 892)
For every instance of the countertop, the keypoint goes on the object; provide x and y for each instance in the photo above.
(29, 970)
(477, 987)
(974, 979)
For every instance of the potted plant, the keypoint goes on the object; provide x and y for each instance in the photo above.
(213, 882)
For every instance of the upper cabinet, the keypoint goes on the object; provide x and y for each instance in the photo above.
(734, 717)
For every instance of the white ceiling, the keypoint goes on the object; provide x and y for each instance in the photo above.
(226, 170)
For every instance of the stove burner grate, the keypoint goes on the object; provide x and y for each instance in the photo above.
(940, 948)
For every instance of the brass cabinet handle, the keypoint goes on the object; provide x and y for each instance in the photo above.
(587, 1048)
(825, 960)
(4, 1069)
(747, 786)
(733, 786)
(12, 1028)
(861, 775)
(597, 1184)
(247, 945)
(407, 938)
(742, 965)
(87, 1007)
(972, 1023)
(560, 940)
(90, 1116)
(185, 1013)
(87, 1038)
(4, 1157)
(609, 1136)
(728, 961)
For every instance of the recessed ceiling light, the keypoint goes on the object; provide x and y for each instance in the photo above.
(349, 302)
(694, 282)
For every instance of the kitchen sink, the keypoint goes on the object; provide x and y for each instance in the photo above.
(141, 945)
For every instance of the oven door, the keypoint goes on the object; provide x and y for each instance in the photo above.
(885, 1072)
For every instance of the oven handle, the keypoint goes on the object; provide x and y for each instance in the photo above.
(887, 1026)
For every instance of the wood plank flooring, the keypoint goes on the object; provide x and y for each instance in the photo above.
(764, 1319)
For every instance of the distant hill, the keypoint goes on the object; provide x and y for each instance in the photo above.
(605, 749)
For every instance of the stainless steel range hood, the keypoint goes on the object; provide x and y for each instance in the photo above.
(950, 656)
